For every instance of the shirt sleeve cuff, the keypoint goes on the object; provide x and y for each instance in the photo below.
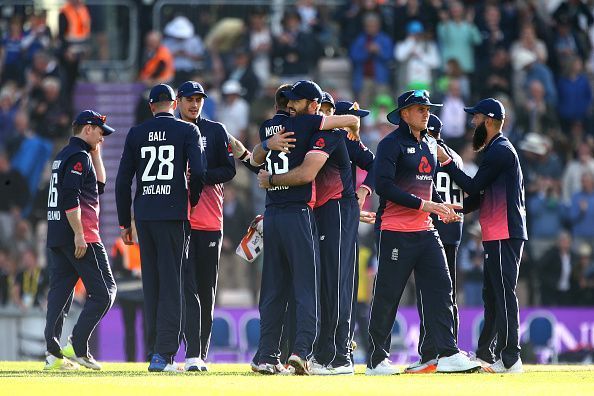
(367, 188)
(421, 204)
(318, 152)
(72, 209)
(447, 162)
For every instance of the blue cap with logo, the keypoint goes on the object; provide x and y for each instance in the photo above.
(345, 107)
(190, 88)
(90, 117)
(489, 107)
(304, 89)
(409, 98)
(434, 125)
(327, 98)
(161, 93)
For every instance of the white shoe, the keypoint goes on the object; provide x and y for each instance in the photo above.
(271, 369)
(174, 368)
(499, 368)
(195, 364)
(383, 368)
(348, 369)
(480, 361)
(419, 367)
(458, 363)
(54, 363)
(317, 368)
(302, 366)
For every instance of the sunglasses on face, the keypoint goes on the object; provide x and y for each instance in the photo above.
(418, 93)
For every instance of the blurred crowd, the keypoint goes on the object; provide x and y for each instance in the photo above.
(534, 56)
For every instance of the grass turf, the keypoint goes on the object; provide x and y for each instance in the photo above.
(28, 378)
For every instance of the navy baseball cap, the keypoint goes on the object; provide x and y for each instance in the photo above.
(489, 107)
(90, 117)
(434, 125)
(327, 98)
(304, 89)
(345, 107)
(190, 88)
(409, 98)
(161, 93)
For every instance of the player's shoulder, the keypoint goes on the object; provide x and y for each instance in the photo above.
(215, 127)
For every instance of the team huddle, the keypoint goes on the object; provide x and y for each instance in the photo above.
(307, 162)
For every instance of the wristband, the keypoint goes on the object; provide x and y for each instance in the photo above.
(245, 154)
(265, 145)
(270, 180)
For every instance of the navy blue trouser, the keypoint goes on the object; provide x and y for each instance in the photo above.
(291, 261)
(426, 350)
(200, 288)
(338, 222)
(399, 254)
(501, 269)
(163, 256)
(64, 271)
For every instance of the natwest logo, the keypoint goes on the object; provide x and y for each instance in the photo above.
(424, 165)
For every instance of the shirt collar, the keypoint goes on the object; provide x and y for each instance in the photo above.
(405, 130)
(75, 140)
(282, 112)
(164, 114)
(497, 136)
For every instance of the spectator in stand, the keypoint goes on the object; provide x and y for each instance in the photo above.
(351, 15)
(575, 94)
(565, 44)
(538, 160)
(234, 111)
(581, 211)
(6, 276)
(528, 41)
(294, 52)
(419, 57)
(526, 69)
(12, 58)
(457, 36)
(583, 278)
(371, 54)
(157, 65)
(496, 77)
(572, 177)
(471, 266)
(406, 12)
(453, 117)
(185, 46)
(576, 15)
(38, 37)
(259, 43)
(51, 115)
(545, 216)
(454, 72)
(74, 34)
(30, 283)
(8, 110)
(14, 196)
(556, 269)
(493, 36)
(535, 113)
(244, 74)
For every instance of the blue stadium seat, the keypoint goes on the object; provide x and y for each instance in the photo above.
(249, 333)
(398, 348)
(539, 330)
(223, 339)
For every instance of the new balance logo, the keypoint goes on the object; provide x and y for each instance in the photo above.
(203, 141)
(322, 237)
(410, 150)
(394, 254)
(212, 244)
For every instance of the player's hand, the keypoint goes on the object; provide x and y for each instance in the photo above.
(237, 148)
(367, 217)
(80, 246)
(263, 179)
(362, 193)
(281, 141)
(442, 156)
(126, 235)
(439, 209)
(353, 131)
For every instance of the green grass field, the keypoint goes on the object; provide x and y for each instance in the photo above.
(27, 378)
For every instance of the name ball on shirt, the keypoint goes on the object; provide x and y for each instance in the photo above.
(156, 189)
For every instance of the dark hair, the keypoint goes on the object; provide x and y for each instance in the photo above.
(77, 129)
(281, 100)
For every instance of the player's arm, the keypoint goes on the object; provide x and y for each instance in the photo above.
(281, 141)
(196, 162)
(363, 159)
(242, 154)
(123, 190)
(493, 163)
(385, 169)
(303, 174)
(471, 203)
(97, 160)
(225, 171)
(74, 173)
(348, 122)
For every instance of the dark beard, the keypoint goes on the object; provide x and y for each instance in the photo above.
(479, 138)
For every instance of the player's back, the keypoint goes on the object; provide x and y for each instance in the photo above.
(277, 162)
(159, 149)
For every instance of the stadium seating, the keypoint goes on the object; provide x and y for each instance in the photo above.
(539, 331)
(223, 339)
(398, 348)
(249, 334)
